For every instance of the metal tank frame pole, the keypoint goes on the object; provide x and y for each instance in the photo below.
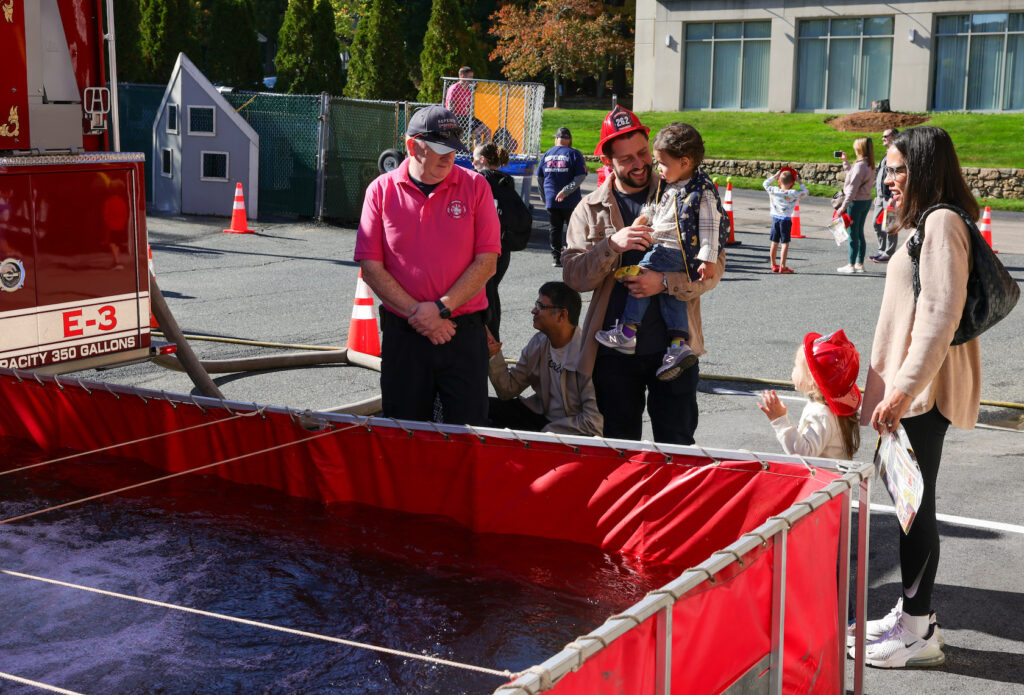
(115, 119)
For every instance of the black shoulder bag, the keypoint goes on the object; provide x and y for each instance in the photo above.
(991, 292)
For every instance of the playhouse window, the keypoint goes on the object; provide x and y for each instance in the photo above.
(201, 120)
(215, 166)
(166, 163)
(172, 118)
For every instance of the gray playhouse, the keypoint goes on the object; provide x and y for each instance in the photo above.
(201, 149)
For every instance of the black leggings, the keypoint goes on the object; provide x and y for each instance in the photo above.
(919, 549)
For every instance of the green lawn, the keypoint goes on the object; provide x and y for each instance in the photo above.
(982, 140)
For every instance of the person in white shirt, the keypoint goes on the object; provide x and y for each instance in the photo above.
(782, 200)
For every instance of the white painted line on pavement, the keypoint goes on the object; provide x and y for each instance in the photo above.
(959, 520)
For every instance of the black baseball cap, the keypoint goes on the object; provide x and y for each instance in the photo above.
(563, 132)
(438, 127)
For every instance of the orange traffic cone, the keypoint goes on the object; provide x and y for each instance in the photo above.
(795, 234)
(152, 318)
(238, 223)
(985, 227)
(727, 206)
(362, 329)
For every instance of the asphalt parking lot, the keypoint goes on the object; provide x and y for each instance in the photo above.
(294, 283)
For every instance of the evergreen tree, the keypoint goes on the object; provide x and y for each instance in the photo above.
(308, 60)
(325, 61)
(378, 69)
(233, 56)
(126, 34)
(165, 28)
(447, 46)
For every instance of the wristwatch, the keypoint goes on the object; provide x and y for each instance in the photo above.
(445, 312)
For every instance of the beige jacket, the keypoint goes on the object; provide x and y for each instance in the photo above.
(578, 396)
(588, 264)
(911, 350)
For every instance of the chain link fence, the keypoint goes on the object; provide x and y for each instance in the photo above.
(137, 107)
(509, 113)
(319, 153)
(289, 127)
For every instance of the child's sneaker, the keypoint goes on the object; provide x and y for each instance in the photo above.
(627, 271)
(678, 358)
(615, 338)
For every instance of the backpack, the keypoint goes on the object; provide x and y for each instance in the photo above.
(513, 213)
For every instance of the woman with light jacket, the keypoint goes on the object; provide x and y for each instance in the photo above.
(856, 200)
(917, 379)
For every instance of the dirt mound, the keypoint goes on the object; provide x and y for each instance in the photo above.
(868, 122)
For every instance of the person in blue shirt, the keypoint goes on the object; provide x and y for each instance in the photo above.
(559, 175)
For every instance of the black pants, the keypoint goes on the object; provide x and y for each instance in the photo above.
(515, 415)
(919, 549)
(414, 371)
(558, 219)
(493, 300)
(624, 383)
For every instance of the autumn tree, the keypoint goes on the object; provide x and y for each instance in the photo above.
(377, 69)
(448, 45)
(568, 38)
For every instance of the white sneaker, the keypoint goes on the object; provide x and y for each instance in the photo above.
(858, 268)
(876, 629)
(846, 269)
(678, 358)
(900, 648)
(615, 338)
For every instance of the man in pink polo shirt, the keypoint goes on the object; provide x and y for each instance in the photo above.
(428, 240)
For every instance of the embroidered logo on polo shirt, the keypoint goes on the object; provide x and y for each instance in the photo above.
(457, 209)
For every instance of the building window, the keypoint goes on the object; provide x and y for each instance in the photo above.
(727, 65)
(215, 166)
(166, 163)
(172, 118)
(843, 64)
(202, 120)
(979, 62)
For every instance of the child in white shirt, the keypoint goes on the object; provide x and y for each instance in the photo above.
(825, 369)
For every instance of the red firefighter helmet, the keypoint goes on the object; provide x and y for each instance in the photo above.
(834, 364)
(619, 121)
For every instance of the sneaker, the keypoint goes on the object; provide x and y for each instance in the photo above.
(556, 263)
(880, 258)
(845, 270)
(876, 629)
(901, 648)
(786, 270)
(875, 257)
(678, 358)
(776, 268)
(615, 338)
(858, 268)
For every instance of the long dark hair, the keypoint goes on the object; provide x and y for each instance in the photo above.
(933, 174)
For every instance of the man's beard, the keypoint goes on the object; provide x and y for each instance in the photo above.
(639, 179)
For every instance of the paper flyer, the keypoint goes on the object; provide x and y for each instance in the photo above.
(898, 469)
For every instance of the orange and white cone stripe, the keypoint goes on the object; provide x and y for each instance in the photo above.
(363, 335)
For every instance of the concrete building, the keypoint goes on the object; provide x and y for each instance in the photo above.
(801, 55)
(201, 149)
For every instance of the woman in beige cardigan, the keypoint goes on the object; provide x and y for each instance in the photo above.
(917, 379)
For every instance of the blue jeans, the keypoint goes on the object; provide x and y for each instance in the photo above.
(662, 259)
(858, 213)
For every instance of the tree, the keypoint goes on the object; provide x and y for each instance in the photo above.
(166, 28)
(233, 55)
(307, 59)
(568, 38)
(447, 46)
(126, 33)
(377, 69)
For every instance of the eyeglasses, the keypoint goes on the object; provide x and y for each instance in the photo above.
(893, 172)
(541, 307)
(888, 135)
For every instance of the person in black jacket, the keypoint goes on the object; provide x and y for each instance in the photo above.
(515, 219)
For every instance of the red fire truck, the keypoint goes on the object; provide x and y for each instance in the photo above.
(74, 280)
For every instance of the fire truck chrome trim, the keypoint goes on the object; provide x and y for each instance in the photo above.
(89, 158)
